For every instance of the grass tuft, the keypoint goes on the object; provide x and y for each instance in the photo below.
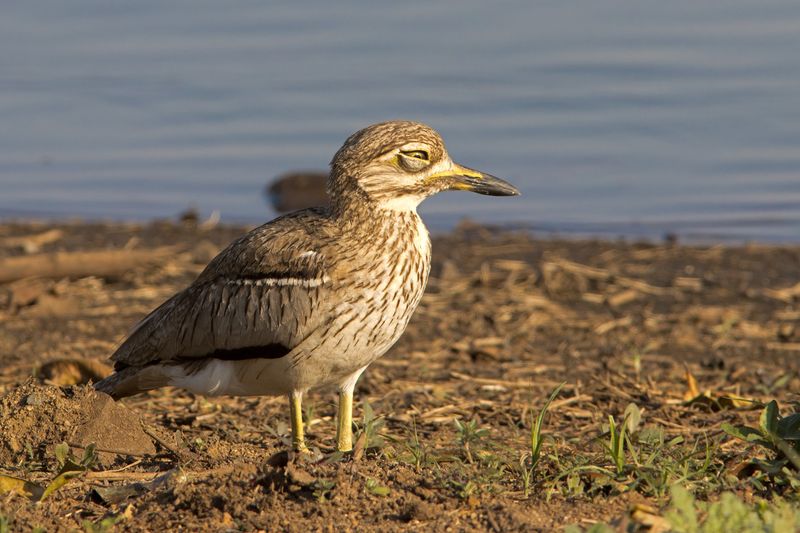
(529, 463)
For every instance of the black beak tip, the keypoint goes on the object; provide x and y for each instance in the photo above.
(498, 187)
(486, 184)
(497, 191)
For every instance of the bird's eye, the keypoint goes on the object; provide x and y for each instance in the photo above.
(417, 154)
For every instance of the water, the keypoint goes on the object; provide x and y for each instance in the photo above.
(617, 117)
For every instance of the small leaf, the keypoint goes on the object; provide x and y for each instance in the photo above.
(379, 490)
(20, 486)
(675, 441)
(60, 480)
(745, 433)
(89, 458)
(61, 452)
(633, 417)
(717, 402)
(769, 418)
(69, 471)
(731, 401)
(369, 414)
(651, 436)
(692, 390)
(734, 431)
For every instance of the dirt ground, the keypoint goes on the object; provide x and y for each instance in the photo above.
(694, 337)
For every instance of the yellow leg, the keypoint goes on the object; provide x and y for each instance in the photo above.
(296, 408)
(344, 430)
(344, 427)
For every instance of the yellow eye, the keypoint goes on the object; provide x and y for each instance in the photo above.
(416, 154)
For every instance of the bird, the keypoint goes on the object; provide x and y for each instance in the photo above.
(311, 298)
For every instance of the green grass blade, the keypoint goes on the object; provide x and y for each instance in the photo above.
(538, 423)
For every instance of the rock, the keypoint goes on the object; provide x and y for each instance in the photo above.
(297, 190)
(35, 418)
(298, 476)
(111, 426)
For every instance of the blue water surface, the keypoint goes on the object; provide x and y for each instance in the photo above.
(631, 117)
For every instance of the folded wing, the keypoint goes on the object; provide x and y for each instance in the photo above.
(258, 298)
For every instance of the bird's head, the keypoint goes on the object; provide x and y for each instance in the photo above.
(397, 164)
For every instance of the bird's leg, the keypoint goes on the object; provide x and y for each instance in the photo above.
(296, 408)
(344, 427)
(344, 430)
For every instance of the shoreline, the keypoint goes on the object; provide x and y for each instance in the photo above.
(654, 234)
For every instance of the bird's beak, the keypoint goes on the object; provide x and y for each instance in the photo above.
(466, 179)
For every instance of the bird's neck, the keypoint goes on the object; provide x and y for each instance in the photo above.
(396, 224)
(379, 219)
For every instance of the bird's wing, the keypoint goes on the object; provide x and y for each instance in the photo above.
(257, 298)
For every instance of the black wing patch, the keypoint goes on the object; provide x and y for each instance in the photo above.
(267, 351)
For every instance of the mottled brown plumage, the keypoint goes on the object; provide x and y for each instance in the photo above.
(311, 298)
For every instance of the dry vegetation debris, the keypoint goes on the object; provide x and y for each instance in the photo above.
(666, 353)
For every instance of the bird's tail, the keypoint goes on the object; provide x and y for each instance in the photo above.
(133, 380)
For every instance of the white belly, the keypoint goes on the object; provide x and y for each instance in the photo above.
(249, 377)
